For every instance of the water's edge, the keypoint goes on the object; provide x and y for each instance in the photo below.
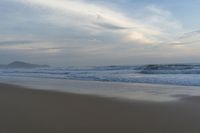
(129, 91)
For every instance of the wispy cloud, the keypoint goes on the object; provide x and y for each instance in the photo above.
(95, 19)
(93, 29)
(15, 42)
(190, 34)
(187, 39)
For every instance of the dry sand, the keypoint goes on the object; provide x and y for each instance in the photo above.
(35, 111)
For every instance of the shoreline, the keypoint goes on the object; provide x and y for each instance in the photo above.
(26, 110)
(126, 91)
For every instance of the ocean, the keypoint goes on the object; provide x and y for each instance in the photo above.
(167, 74)
(139, 82)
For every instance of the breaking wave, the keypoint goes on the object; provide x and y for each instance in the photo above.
(174, 74)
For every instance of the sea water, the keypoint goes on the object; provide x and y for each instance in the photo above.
(146, 82)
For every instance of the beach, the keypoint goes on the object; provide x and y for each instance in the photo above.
(99, 66)
(40, 111)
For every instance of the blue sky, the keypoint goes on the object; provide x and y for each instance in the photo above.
(99, 32)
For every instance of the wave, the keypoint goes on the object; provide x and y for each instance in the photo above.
(175, 74)
(171, 69)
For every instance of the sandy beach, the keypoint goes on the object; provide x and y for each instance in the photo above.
(36, 111)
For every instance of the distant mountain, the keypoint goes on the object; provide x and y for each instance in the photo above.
(20, 64)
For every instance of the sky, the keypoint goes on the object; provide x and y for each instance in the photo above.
(99, 32)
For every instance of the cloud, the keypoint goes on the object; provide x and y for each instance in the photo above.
(190, 34)
(189, 39)
(97, 19)
(15, 42)
(112, 26)
(31, 45)
(92, 29)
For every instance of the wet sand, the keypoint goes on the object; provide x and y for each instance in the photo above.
(35, 111)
